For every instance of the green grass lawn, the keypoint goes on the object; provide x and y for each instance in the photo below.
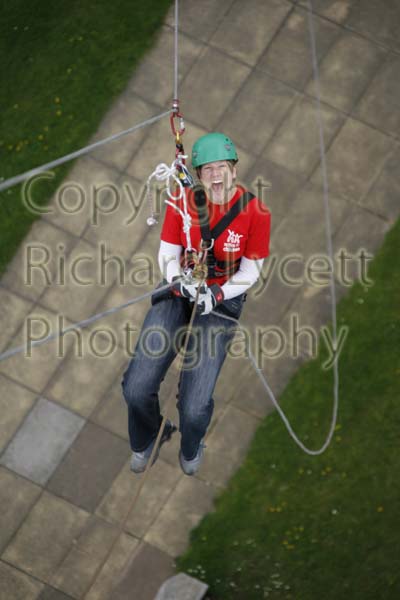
(62, 64)
(294, 526)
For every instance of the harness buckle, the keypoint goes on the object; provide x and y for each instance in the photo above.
(207, 245)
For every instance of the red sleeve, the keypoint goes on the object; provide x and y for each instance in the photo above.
(172, 226)
(259, 233)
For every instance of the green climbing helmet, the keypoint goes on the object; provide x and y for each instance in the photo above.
(212, 147)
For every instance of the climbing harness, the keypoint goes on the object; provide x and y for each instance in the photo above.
(218, 268)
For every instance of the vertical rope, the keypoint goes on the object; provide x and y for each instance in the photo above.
(328, 221)
(176, 53)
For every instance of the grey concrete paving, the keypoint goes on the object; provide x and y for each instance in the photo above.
(65, 483)
(41, 442)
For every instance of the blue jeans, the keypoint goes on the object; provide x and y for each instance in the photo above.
(162, 335)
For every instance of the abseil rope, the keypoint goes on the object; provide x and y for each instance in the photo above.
(176, 50)
(86, 150)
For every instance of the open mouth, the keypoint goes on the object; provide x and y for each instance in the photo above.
(217, 187)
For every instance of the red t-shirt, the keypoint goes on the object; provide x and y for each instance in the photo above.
(247, 235)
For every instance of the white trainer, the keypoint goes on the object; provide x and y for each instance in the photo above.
(190, 467)
(139, 460)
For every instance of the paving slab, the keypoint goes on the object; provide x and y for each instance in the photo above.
(149, 569)
(378, 20)
(277, 187)
(383, 197)
(334, 10)
(112, 412)
(17, 496)
(50, 593)
(353, 236)
(229, 441)
(355, 159)
(380, 105)
(307, 215)
(296, 145)
(82, 381)
(90, 467)
(289, 57)
(116, 504)
(346, 71)
(113, 570)
(13, 310)
(126, 323)
(74, 575)
(78, 294)
(200, 20)
(35, 365)
(205, 103)
(15, 402)
(45, 537)
(128, 110)
(72, 205)
(189, 501)
(119, 227)
(35, 266)
(40, 444)
(251, 394)
(240, 34)
(152, 80)
(16, 585)
(262, 102)
(266, 304)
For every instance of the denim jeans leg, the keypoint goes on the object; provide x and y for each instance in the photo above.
(154, 353)
(205, 356)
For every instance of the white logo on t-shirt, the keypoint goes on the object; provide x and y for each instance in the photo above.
(232, 244)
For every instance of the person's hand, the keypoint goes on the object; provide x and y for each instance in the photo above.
(210, 299)
(186, 288)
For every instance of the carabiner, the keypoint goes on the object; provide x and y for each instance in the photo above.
(176, 114)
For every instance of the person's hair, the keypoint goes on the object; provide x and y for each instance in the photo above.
(231, 164)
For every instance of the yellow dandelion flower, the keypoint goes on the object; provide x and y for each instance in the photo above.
(57, 100)
(40, 137)
(380, 509)
(45, 128)
(59, 113)
(16, 106)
